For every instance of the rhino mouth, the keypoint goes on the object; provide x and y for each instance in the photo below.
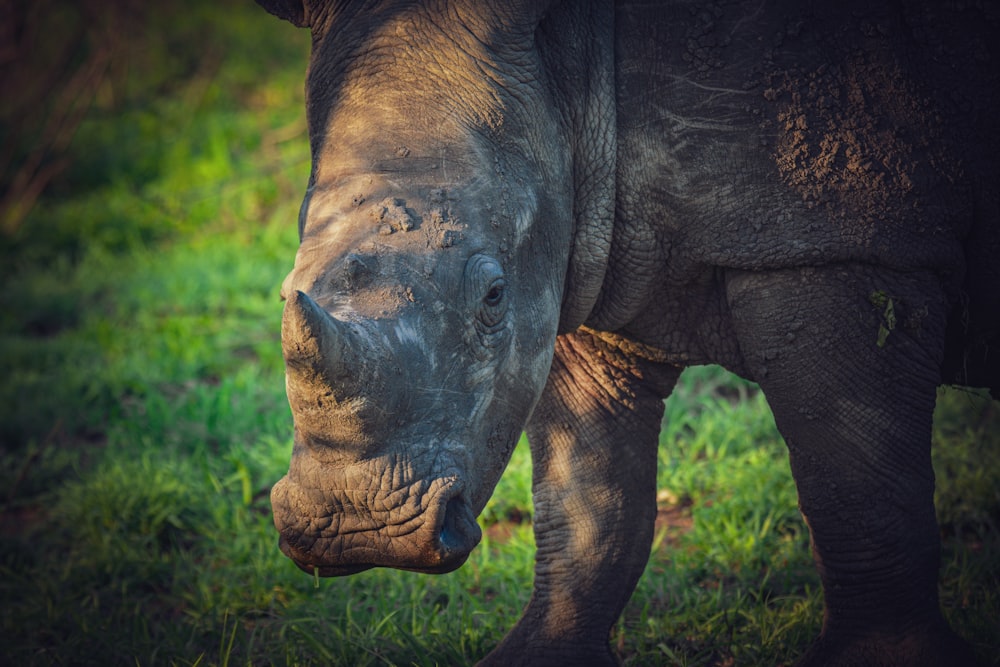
(431, 532)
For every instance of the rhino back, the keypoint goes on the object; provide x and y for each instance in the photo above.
(769, 135)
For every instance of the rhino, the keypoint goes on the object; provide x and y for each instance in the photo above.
(532, 215)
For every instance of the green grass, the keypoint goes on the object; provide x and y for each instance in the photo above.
(143, 421)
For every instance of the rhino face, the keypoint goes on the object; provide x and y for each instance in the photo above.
(412, 360)
(423, 305)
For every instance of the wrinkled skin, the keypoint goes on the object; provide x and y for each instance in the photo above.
(533, 216)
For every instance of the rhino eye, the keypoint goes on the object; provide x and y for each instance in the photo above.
(495, 294)
(486, 288)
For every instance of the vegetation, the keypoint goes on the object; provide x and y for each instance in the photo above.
(143, 420)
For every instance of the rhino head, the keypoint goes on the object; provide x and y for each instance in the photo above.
(434, 272)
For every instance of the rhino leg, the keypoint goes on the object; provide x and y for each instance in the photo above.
(852, 386)
(593, 441)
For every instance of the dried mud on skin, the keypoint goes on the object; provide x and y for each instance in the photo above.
(857, 140)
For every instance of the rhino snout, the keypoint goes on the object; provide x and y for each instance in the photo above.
(423, 527)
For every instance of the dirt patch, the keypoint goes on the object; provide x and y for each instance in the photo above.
(501, 531)
(857, 138)
(673, 521)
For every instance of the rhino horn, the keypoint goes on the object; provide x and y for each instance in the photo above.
(327, 375)
(315, 344)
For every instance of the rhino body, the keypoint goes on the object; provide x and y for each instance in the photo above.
(533, 215)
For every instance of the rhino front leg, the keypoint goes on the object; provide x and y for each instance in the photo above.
(849, 360)
(593, 440)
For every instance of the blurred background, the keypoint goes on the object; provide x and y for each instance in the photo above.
(152, 159)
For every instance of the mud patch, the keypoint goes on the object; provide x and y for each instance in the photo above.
(391, 215)
(382, 302)
(859, 140)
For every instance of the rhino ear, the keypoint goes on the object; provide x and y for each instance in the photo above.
(290, 10)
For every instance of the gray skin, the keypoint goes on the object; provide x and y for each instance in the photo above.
(533, 215)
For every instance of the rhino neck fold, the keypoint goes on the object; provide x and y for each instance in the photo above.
(577, 43)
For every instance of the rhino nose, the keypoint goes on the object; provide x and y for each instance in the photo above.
(334, 380)
(459, 533)
(328, 532)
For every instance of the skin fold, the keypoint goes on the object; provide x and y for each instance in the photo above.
(532, 215)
